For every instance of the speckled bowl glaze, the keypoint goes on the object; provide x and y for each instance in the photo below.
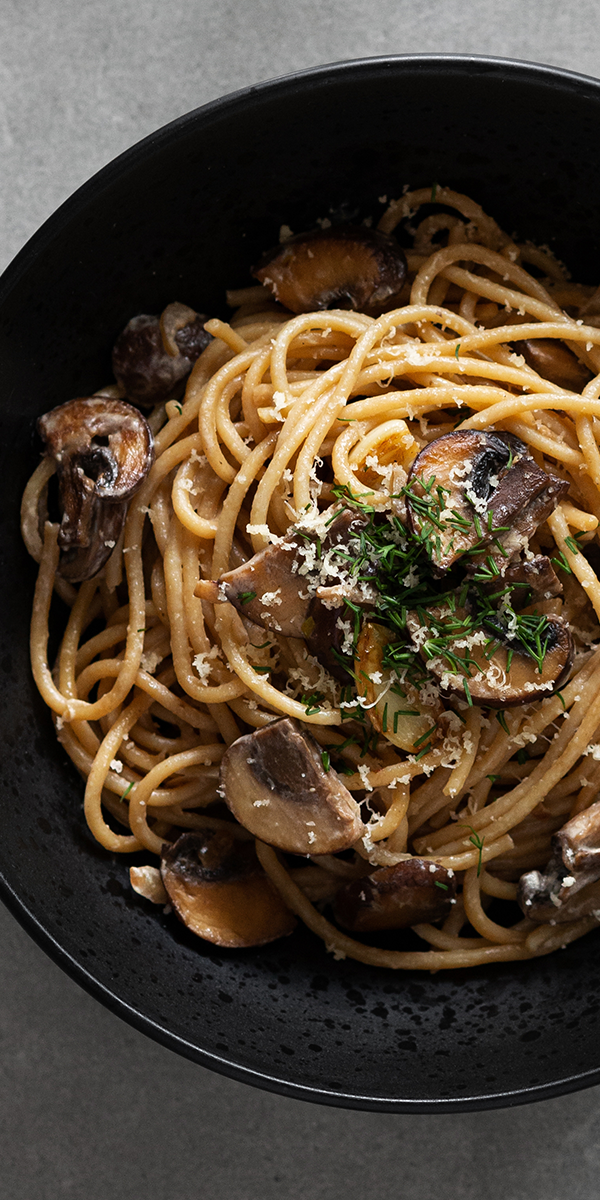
(181, 216)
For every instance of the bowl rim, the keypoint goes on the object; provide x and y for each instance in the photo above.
(206, 114)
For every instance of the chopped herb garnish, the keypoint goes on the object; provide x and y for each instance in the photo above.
(501, 719)
(522, 756)
(493, 777)
(443, 886)
(477, 842)
(572, 544)
(246, 597)
(325, 759)
(127, 791)
(457, 352)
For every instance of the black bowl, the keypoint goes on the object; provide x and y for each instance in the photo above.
(181, 216)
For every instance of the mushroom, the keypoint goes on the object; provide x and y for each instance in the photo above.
(555, 362)
(493, 680)
(397, 897)
(219, 890)
(275, 784)
(326, 633)
(153, 356)
(103, 450)
(566, 891)
(470, 489)
(395, 709)
(275, 587)
(530, 579)
(349, 266)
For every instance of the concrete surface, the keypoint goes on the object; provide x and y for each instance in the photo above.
(90, 1108)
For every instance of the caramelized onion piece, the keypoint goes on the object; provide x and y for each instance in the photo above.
(554, 361)
(400, 714)
(153, 356)
(488, 680)
(348, 266)
(219, 890)
(412, 891)
(276, 786)
(103, 449)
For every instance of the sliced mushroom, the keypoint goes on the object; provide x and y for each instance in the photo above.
(490, 680)
(275, 587)
(529, 580)
(103, 450)
(395, 709)
(525, 497)
(326, 631)
(554, 361)
(348, 266)
(276, 786)
(472, 490)
(397, 897)
(567, 889)
(219, 890)
(153, 356)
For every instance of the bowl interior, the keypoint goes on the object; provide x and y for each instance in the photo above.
(182, 216)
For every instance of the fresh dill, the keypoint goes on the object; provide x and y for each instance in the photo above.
(477, 842)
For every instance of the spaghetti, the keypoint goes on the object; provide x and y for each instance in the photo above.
(289, 419)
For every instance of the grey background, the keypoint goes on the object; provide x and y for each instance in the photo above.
(88, 1107)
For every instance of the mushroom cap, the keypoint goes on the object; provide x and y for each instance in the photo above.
(488, 680)
(397, 897)
(349, 266)
(103, 449)
(276, 786)
(142, 359)
(275, 587)
(219, 890)
(462, 463)
(493, 491)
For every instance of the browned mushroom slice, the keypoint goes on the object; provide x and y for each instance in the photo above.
(449, 484)
(554, 361)
(495, 681)
(472, 489)
(153, 356)
(397, 897)
(219, 890)
(276, 786)
(565, 890)
(275, 587)
(525, 497)
(329, 637)
(529, 580)
(103, 450)
(349, 266)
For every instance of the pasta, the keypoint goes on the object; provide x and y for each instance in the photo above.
(286, 422)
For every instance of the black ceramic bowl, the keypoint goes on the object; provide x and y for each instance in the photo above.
(181, 216)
